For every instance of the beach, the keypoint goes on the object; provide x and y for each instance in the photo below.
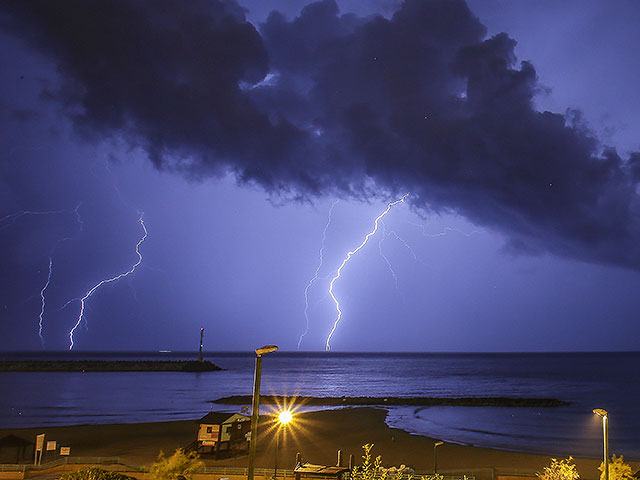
(316, 435)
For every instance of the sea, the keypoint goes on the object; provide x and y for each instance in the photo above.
(587, 380)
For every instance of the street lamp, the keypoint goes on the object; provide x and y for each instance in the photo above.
(284, 417)
(256, 406)
(605, 433)
(435, 456)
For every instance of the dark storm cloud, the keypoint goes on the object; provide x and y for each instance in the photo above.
(421, 102)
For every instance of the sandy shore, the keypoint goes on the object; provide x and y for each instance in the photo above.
(316, 435)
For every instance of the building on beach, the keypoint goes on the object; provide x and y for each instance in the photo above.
(223, 433)
(15, 449)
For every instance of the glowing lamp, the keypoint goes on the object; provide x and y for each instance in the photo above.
(285, 417)
(266, 349)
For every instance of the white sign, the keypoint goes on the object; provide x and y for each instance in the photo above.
(39, 448)
(39, 441)
(52, 445)
(65, 450)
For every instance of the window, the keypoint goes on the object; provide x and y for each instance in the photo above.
(209, 429)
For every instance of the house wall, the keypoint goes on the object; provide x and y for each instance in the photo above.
(208, 432)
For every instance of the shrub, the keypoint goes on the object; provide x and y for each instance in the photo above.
(563, 469)
(94, 473)
(373, 470)
(177, 465)
(618, 470)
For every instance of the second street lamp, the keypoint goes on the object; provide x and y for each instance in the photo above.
(605, 433)
(435, 456)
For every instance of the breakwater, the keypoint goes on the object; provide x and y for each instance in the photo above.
(396, 401)
(108, 366)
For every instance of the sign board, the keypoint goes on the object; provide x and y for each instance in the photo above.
(65, 450)
(39, 449)
(208, 443)
(52, 445)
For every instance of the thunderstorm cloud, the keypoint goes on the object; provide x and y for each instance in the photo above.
(332, 104)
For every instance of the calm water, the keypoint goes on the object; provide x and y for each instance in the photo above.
(588, 380)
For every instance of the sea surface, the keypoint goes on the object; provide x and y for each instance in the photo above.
(587, 380)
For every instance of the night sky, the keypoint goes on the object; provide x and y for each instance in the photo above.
(234, 128)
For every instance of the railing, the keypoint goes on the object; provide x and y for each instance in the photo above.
(516, 472)
(10, 467)
(71, 461)
(268, 472)
(219, 470)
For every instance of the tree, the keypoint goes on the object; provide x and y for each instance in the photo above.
(563, 469)
(177, 465)
(618, 470)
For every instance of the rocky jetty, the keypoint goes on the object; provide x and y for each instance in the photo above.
(107, 366)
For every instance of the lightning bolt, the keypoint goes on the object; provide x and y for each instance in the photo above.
(14, 216)
(42, 305)
(108, 280)
(445, 231)
(48, 282)
(384, 257)
(346, 260)
(406, 245)
(316, 274)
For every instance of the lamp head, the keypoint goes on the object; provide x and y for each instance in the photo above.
(437, 444)
(266, 349)
(599, 411)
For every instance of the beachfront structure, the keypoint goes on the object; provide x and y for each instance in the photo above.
(15, 449)
(223, 432)
(309, 470)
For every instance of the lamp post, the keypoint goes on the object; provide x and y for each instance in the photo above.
(284, 417)
(605, 433)
(256, 406)
(435, 456)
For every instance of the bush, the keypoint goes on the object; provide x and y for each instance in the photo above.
(94, 473)
(177, 465)
(563, 469)
(373, 470)
(618, 470)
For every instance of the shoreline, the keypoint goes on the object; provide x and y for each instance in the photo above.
(317, 435)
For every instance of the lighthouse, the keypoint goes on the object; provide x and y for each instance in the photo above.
(201, 341)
